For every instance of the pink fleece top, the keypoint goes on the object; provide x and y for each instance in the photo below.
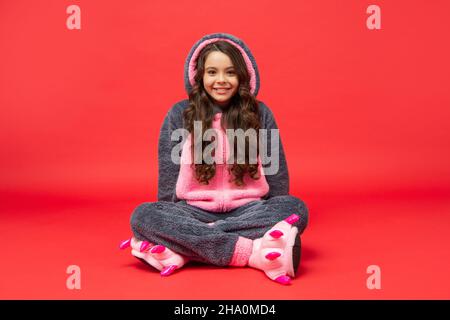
(220, 195)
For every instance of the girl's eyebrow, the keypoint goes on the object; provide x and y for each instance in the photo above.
(216, 68)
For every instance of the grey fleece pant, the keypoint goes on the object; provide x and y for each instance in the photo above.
(183, 228)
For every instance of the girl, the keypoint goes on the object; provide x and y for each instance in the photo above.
(215, 212)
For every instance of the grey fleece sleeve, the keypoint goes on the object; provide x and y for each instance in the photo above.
(167, 170)
(278, 182)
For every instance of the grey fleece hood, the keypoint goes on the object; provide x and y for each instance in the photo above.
(189, 65)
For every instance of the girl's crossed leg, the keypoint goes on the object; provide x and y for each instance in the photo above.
(183, 232)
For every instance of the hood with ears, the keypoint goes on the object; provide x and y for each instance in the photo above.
(189, 65)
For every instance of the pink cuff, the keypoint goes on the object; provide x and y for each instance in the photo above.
(242, 252)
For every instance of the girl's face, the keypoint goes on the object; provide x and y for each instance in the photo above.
(220, 79)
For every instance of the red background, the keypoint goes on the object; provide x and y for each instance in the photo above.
(363, 115)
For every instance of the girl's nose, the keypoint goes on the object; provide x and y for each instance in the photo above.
(220, 78)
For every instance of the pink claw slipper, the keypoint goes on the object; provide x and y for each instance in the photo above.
(158, 256)
(277, 253)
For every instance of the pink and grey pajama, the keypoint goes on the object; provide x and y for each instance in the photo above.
(215, 223)
(184, 228)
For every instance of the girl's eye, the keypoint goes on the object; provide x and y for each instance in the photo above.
(213, 72)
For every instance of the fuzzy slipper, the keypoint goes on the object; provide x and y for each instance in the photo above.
(277, 253)
(158, 256)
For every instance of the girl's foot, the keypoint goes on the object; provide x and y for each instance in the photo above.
(158, 256)
(277, 253)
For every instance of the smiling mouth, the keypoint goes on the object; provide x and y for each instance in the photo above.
(221, 90)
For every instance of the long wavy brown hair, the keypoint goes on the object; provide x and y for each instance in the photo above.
(242, 112)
